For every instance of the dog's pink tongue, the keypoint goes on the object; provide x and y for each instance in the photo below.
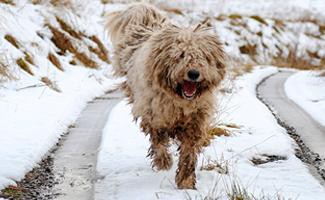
(189, 88)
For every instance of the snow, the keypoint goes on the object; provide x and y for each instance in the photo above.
(307, 89)
(126, 173)
(33, 116)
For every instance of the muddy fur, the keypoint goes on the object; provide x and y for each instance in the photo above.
(156, 56)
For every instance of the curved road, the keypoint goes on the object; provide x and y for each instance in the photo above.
(271, 91)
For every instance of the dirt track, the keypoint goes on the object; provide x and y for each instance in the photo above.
(308, 134)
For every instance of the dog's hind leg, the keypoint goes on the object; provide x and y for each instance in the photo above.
(161, 158)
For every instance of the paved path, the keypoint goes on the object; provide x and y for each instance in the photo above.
(76, 158)
(311, 132)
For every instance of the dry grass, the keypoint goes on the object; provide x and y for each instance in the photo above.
(85, 60)
(248, 49)
(63, 3)
(106, 1)
(67, 28)
(101, 50)
(24, 66)
(235, 16)
(61, 40)
(35, 2)
(29, 58)
(294, 61)
(10, 2)
(50, 84)
(65, 44)
(259, 19)
(55, 61)
(4, 72)
(12, 40)
(171, 10)
(218, 131)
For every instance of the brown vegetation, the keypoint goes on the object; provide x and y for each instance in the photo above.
(67, 28)
(12, 40)
(105, 1)
(248, 49)
(171, 10)
(64, 44)
(24, 66)
(29, 58)
(10, 2)
(294, 61)
(218, 131)
(259, 19)
(55, 61)
(101, 50)
(50, 84)
(4, 72)
(64, 3)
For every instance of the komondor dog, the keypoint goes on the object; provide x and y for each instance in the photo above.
(171, 76)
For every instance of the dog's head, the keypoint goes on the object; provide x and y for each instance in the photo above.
(186, 62)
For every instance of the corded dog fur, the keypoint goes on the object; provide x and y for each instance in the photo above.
(171, 76)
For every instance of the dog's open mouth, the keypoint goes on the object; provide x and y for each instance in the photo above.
(189, 89)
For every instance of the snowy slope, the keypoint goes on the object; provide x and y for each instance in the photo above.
(126, 171)
(262, 32)
(35, 110)
(307, 89)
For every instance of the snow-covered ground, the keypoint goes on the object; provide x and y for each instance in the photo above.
(126, 172)
(307, 89)
(35, 110)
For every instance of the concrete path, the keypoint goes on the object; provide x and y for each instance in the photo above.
(312, 133)
(76, 158)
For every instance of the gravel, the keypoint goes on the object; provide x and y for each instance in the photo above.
(37, 184)
(302, 151)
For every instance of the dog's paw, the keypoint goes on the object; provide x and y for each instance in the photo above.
(162, 162)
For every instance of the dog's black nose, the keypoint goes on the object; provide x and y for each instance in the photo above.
(193, 74)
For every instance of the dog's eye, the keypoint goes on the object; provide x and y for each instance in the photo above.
(208, 60)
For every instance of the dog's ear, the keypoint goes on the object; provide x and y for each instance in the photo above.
(204, 25)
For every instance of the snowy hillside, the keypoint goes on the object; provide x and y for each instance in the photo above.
(56, 60)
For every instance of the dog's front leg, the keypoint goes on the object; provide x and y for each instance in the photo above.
(185, 175)
(161, 158)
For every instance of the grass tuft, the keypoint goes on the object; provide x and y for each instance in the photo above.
(24, 66)
(294, 61)
(85, 60)
(10, 2)
(12, 40)
(61, 40)
(13, 191)
(63, 3)
(172, 10)
(64, 44)
(28, 57)
(259, 19)
(50, 84)
(235, 16)
(55, 61)
(4, 72)
(67, 28)
(218, 131)
(248, 49)
(101, 50)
